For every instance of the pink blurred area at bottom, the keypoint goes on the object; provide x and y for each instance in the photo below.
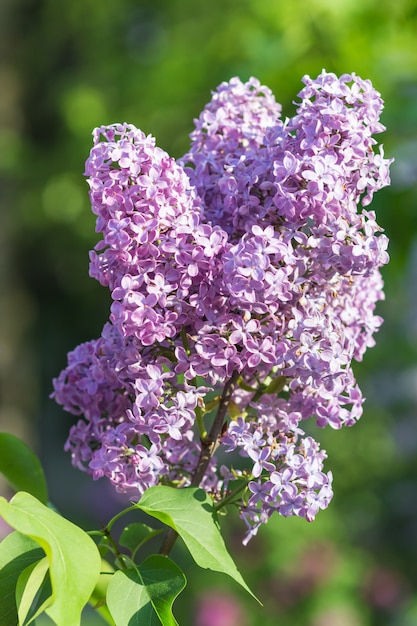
(216, 608)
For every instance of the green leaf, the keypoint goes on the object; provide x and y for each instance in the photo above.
(211, 404)
(21, 467)
(276, 385)
(27, 587)
(145, 594)
(43, 599)
(245, 386)
(135, 535)
(73, 557)
(190, 512)
(17, 552)
(234, 410)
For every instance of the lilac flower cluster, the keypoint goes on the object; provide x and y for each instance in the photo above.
(251, 262)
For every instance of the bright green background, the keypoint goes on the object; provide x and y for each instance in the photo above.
(68, 66)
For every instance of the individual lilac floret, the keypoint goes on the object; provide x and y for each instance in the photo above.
(251, 264)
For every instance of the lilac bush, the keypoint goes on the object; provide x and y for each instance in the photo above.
(244, 279)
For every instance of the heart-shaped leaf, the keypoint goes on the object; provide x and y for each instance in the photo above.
(145, 594)
(74, 560)
(190, 512)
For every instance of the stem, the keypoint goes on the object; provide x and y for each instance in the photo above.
(119, 515)
(106, 532)
(168, 541)
(119, 556)
(200, 422)
(228, 499)
(199, 416)
(208, 446)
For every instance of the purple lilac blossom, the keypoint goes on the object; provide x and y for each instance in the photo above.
(254, 254)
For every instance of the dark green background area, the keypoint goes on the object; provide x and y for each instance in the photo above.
(68, 66)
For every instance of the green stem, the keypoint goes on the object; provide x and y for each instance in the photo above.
(119, 556)
(232, 496)
(200, 422)
(209, 443)
(199, 415)
(106, 532)
(119, 515)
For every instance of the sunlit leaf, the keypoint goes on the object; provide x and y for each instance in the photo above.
(73, 557)
(190, 512)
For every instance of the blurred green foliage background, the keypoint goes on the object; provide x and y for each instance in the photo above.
(66, 67)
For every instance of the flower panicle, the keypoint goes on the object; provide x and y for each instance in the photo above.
(253, 258)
